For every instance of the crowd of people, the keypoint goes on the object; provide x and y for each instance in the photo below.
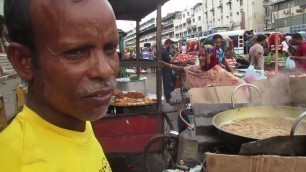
(213, 69)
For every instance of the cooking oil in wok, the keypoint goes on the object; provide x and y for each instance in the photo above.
(264, 127)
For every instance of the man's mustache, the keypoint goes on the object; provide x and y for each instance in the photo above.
(97, 86)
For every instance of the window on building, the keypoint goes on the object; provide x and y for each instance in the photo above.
(230, 6)
(221, 10)
(206, 4)
(199, 29)
(199, 18)
(183, 15)
(193, 20)
(241, 2)
(187, 13)
(267, 11)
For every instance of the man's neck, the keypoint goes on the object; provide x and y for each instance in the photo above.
(53, 116)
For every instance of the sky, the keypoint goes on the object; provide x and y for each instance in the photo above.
(170, 6)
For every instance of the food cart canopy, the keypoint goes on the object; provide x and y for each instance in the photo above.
(134, 9)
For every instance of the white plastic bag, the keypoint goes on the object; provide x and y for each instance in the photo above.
(290, 64)
(252, 74)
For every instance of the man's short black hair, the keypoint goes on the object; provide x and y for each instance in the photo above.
(216, 36)
(297, 36)
(260, 38)
(169, 41)
(18, 22)
(17, 18)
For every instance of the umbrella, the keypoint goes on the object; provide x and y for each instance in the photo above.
(227, 43)
(272, 38)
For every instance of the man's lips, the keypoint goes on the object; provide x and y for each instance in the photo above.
(99, 92)
(99, 96)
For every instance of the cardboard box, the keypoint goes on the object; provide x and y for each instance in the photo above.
(275, 92)
(215, 95)
(262, 163)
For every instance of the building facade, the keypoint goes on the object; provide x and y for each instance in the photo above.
(189, 23)
(130, 39)
(148, 31)
(168, 25)
(289, 16)
(235, 14)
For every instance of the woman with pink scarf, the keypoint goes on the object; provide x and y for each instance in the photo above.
(205, 75)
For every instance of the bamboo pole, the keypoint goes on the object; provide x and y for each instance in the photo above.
(159, 53)
(276, 42)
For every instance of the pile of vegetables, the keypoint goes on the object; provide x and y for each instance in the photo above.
(270, 59)
(183, 57)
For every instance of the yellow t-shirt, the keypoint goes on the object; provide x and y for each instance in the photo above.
(31, 144)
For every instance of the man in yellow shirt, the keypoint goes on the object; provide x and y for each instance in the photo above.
(66, 51)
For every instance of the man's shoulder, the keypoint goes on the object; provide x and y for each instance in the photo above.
(11, 145)
(13, 132)
(303, 45)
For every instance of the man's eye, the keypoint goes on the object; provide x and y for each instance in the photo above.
(110, 49)
(77, 54)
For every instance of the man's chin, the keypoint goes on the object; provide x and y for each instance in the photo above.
(95, 117)
(96, 114)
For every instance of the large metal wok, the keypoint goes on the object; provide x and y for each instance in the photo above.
(249, 112)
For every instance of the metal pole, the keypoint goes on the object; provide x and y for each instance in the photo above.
(158, 50)
(137, 46)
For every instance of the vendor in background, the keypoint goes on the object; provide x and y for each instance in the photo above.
(205, 74)
(167, 74)
(184, 48)
(216, 54)
(257, 53)
(285, 46)
(300, 54)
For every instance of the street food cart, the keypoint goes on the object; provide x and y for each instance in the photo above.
(126, 128)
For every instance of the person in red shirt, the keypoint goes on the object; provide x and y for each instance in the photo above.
(215, 55)
(300, 54)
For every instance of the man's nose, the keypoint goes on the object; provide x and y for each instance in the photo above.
(100, 66)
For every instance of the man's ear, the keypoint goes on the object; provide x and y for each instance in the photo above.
(20, 58)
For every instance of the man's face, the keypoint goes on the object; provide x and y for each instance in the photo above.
(218, 42)
(76, 48)
(168, 46)
(295, 41)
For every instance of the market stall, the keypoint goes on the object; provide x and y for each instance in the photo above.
(134, 116)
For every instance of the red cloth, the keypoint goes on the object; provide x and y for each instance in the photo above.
(193, 45)
(301, 51)
(213, 60)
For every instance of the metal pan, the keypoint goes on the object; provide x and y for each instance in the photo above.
(281, 145)
(249, 112)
